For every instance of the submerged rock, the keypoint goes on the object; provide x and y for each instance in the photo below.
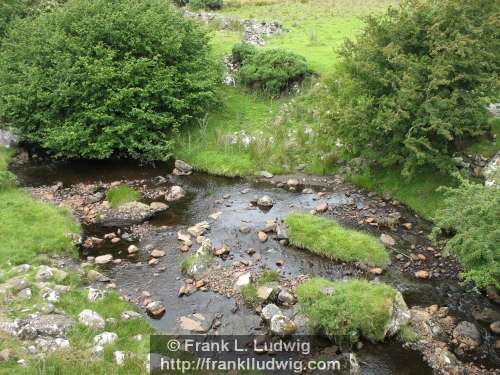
(196, 323)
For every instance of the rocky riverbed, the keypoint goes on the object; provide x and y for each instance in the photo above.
(240, 222)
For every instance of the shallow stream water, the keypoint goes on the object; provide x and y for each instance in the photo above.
(207, 195)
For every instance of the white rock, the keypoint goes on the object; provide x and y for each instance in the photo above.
(119, 358)
(105, 338)
(95, 294)
(104, 259)
(243, 280)
(91, 319)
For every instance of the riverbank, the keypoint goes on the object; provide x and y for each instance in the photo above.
(44, 293)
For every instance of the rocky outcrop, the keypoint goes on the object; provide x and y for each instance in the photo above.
(491, 172)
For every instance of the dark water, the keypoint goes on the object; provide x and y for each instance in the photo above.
(207, 195)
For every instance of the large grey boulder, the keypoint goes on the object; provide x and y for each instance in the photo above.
(282, 326)
(399, 315)
(129, 214)
(54, 325)
(91, 319)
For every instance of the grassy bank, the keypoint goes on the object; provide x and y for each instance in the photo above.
(29, 228)
(327, 238)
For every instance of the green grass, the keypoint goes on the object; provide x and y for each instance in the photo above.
(269, 277)
(5, 155)
(327, 238)
(77, 359)
(122, 194)
(420, 193)
(345, 309)
(407, 334)
(249, 295)
(28, 228)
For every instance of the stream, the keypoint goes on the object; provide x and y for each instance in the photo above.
(210, 194)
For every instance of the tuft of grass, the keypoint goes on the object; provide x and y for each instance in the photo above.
(343, 310)
(249, 295)
(327, 238)
(407, 334)
(28, 228)
(269, 277)
(122, 194)
(5, 155)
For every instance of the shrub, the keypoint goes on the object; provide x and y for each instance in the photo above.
(206, 4)
(273, 70)
(114, 82)
(412, 88)
(7, 180)
(346, 309)
(121, 194)
(473, 211)
(242, 52)
(327, 238)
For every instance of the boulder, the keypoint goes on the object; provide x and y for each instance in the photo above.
(269, 311)
(467, 334)
(91, 319)
(282, 326)
(132, 249)
(387, 240)
(264, 293)
(8, 138)
(53, 325)
(198, 229)
(286, 298)
(95, 294)
(129, 214)
(156, 309)
(93, 276)
(175, 193)
(119, 358)
(183, 167)
(105, 338)
(104, 259)
(399, 315)
(265, 201)
(243, 280)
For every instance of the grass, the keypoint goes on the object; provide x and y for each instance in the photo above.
(345, 309)
(420, 193)
(327, 238)
(122, 194)
(407, 334)
(29, 228)
(249, 295)
(77, 359)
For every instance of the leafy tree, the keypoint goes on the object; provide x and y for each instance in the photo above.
(102, 78)
(413, 87)
(472, 211)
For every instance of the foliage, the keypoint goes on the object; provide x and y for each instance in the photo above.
(327, 238)
(121, 194)
(413, 87)
(473, 212)
(241, 52)
(7, 179)
(346, 309)
(206, 4)
(115, 82)
(273, 70)
(11, 10)
(268, 277)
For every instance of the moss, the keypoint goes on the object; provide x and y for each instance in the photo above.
(122, 194)
(344, 310)
(327, 238)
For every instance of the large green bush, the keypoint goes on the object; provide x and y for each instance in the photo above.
(14, 9)
(472, 211)
(101, 78)
(272, 70)
(413, 87)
